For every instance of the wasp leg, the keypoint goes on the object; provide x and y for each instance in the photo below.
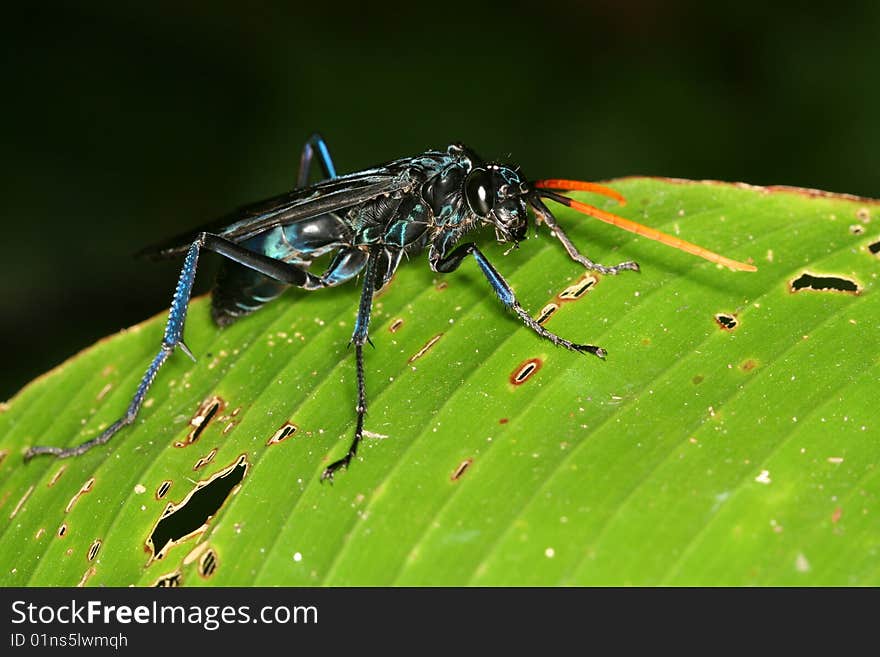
(359, 338)
(317, 144)
(545, 215)
(173, 337)
(505, 293)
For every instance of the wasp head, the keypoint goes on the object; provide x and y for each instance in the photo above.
(496, 194)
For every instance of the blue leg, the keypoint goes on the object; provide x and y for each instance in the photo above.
(173, 338)
(359, 338)
(505, 293)
(315, 144)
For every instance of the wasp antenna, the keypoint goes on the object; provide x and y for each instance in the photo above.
(646, 231)
(580, 186)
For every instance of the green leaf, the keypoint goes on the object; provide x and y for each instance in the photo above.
(695, 455)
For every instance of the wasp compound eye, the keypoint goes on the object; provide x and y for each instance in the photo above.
(479, 192)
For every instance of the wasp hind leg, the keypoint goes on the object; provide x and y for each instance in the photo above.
(173, 336)
(315, 144)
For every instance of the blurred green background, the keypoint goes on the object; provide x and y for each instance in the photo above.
(124, 125)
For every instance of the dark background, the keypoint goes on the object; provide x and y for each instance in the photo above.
(125, 125)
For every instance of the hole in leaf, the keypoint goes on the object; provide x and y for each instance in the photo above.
(163, 489)
(421, 352)
(208, 564)
(525, 371)
(93, 549)
(726, 322)
(578, 289)
(285, 431)
(395, 325)
(191, 516)
(200, 420)
(461, 469)
(171, 580)
(808, 281)
(547, 312)
(62, 530)
(205, 460)
(874, 248)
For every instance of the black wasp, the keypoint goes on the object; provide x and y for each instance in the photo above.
(369, 221)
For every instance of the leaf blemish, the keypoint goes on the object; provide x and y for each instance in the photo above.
(93, 549)
(285, 431)
(86, 487)
(748, 365)
(56, 476)
(726, 321)
(546, 313)
(421, 352)
(163, 489)
(86, 575)
(461, 469)
(171, 580)
(395, 325)
(199, 422)
(819, 283)
(578, 289)
(205, 460)
(208, 564)
(21, 502)
(525, 371)
(190, 517)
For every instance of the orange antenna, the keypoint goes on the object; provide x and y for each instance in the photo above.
(580, 186)
(637, 228)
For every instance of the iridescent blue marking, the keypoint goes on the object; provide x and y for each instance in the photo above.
(501, 288)
(180, 302)
(325, 157)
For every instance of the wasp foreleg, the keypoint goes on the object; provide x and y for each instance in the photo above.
(452, 261)
(547, 217)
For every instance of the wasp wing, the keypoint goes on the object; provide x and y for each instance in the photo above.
(334, 195)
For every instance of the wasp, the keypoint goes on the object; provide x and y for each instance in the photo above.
(366, 223)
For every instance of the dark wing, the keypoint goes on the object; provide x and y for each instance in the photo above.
(297, 205)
